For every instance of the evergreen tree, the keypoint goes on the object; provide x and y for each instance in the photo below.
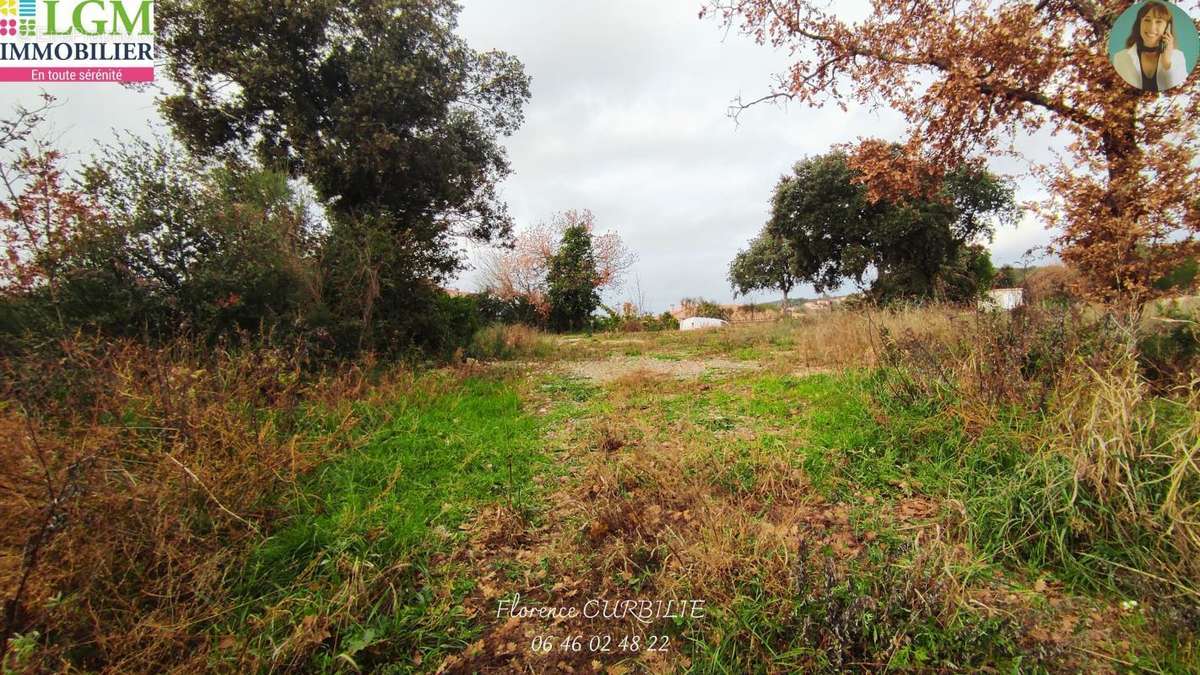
(920, 245)
(572, 281)
(766, 265)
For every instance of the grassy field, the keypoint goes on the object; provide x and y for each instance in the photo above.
(764, 471)
(824, 523)
(809, 505)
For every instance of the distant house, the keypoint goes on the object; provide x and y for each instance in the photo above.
(1003, 298)
(818, 305)
(694, 322)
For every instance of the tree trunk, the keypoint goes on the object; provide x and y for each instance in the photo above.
(1123, 160)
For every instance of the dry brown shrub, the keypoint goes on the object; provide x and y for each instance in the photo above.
(1140, 459)
(509, 341)
(1053, 283)
(134, 480)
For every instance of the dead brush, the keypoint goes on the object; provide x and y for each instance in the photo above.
(889, 603)
(823, 613)
(610, 437)
(990, 361)
(508, 341)
(141, 487)
(1066, 383)
(1138, 459)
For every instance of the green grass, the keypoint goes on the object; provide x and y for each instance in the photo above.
(884, 612)
(1022, 506)
(864, 439)
(370, 523)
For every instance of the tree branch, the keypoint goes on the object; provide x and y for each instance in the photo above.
(988, 88)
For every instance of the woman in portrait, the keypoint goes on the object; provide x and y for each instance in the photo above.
(1150, 60)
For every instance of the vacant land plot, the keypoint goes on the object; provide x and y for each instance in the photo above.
(755, 499)
(816, 531)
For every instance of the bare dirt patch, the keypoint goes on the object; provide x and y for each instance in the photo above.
(608, 370)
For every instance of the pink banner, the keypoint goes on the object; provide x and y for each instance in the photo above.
(82, 74)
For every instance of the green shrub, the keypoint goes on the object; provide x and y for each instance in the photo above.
(705, 308)
(1169, 346)
(519, 309)
(221, 251)
(666, 321)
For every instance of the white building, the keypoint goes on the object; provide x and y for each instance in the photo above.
(692, 323)
(1003, 298)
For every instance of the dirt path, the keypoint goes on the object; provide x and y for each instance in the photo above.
(607, 370)
(681, 487)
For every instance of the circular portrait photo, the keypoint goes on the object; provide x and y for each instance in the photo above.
(1153, 45)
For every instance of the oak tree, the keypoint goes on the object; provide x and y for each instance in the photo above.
(389, 114)
(767, 264)
(971, 76)
(922, 243)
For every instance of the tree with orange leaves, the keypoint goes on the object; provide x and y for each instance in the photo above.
(970, 75)
(39, 213)
(521, 271)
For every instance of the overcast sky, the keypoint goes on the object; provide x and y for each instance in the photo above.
(628, 118)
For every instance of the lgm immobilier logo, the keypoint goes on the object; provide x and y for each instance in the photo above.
(76, 40)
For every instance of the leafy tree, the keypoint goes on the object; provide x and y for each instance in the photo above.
(190, 246)
(767, 264)
(520, 271)
(39, 218)
(40, 213)
(379, 104)
(572, 281)
(916, 244)
(386, 112)
(964, 277)
(969, 75)
(1006, 277)
(1181, 278)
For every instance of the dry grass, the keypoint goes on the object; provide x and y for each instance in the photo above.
(509, 341)
(851, 339)
(131, 491)
(1140, 458)
(836, 339)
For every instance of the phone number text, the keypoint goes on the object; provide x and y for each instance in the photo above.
(601, 643)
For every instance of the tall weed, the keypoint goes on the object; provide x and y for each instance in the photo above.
(1069, 456)
(509, 341)
(134, 477)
